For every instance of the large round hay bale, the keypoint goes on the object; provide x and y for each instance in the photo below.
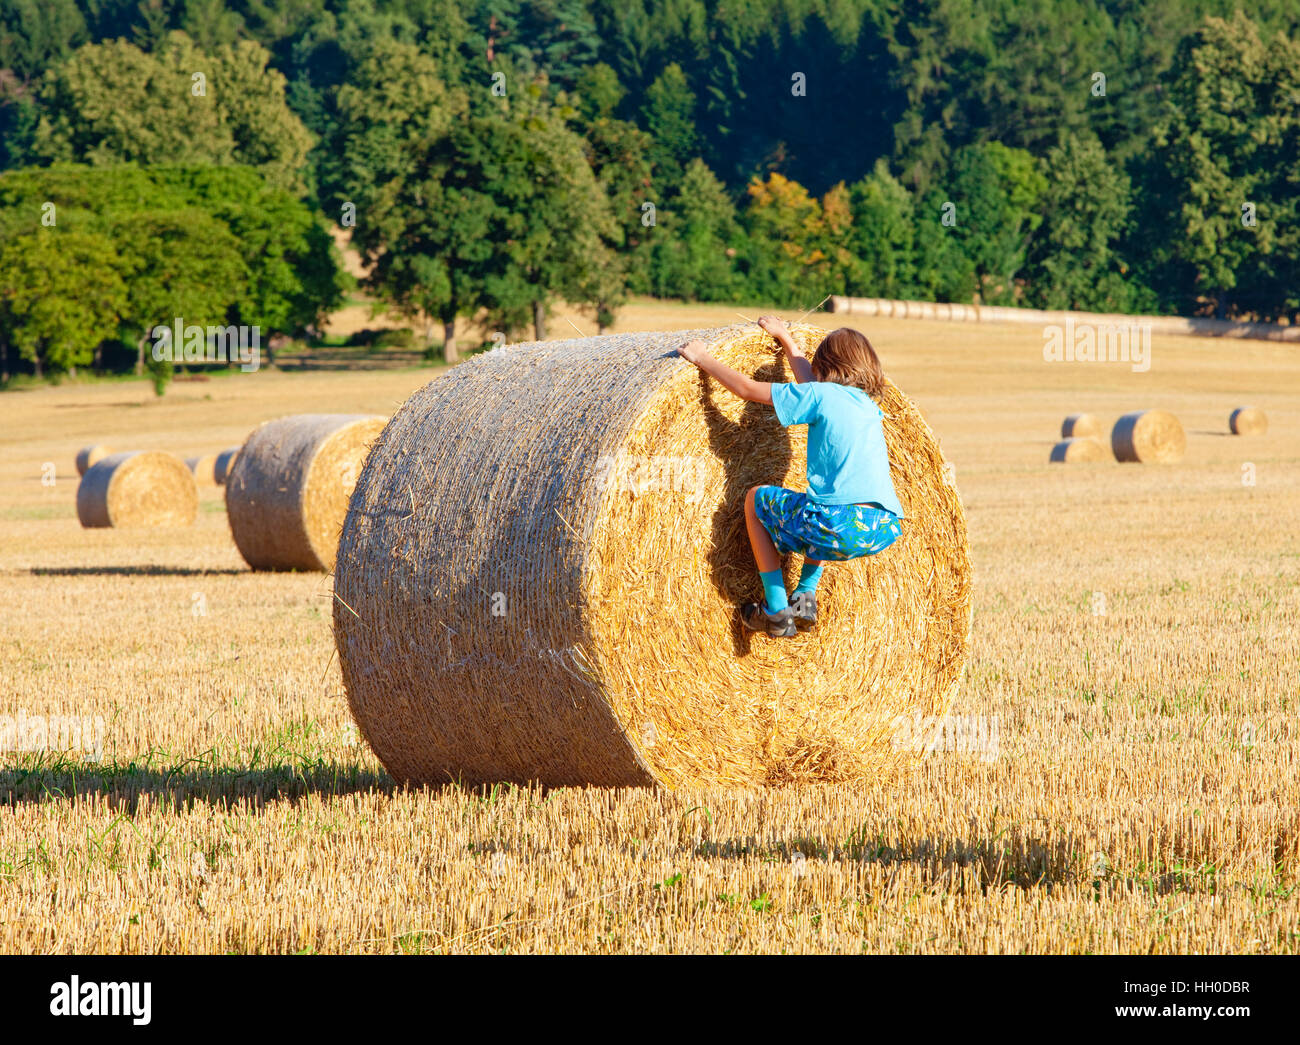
(288, 492)
(1080, 426)
(224, 463)
(138, 488)
(1148, 436)
(539, 576)
(1078, 450)
(1248, 420)
(203, 468)
(89, 455)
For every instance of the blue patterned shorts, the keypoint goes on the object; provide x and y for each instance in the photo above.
(824, 531)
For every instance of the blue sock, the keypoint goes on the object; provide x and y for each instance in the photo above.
(773, 590)
(808, 578)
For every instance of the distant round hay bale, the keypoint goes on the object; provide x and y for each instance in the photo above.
(137, 488)
(203, 468)
(289, 489)
(1148, 436)
(224, 463)
(1248, 420)
(1081, 425)
(539, 576)
(925, 310)
(89, 455)
(1078, 450)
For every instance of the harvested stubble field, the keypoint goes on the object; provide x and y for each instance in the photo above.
(1137, 635)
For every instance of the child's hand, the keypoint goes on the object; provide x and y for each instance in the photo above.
(774, 325)
(693, 351)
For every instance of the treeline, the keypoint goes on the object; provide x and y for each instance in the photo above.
(92, 259)
(496, 155)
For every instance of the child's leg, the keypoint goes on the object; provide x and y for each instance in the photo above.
(809, 574)
(765, 554)
(766, 558)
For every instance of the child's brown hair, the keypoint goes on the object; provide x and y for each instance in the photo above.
(846, 357)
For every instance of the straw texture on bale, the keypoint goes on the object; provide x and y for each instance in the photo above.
(539, 576)
(1078, 450)
(203, 468)
(1081, 425)
(1248, 420)
(224, 463)
(138, 488)
(89, 455)
(289, 489)
(1148, 436)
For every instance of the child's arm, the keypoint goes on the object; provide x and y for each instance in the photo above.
(799, 365)
(733, 380)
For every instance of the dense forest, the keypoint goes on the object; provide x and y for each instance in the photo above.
(188, 157)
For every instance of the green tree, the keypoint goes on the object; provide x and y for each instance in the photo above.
(394, 106)
(1075, 262)
(210, 23)
(882, 245)
(34, 34)
(1223, 149)
(60, 297)
(995, 192)
(618, 153)
(18, 118)
(943, 269)
(599, 92)
(502, 214)
(557, 38)
(444, 223)
(669, 116)
(562, 232)
(181, 264)
(695, 241)
(289, 271)
(294, 271)
(113, 103)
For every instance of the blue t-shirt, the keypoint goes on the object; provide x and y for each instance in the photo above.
(848, 462)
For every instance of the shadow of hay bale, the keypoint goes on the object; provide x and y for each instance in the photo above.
(57, 779)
